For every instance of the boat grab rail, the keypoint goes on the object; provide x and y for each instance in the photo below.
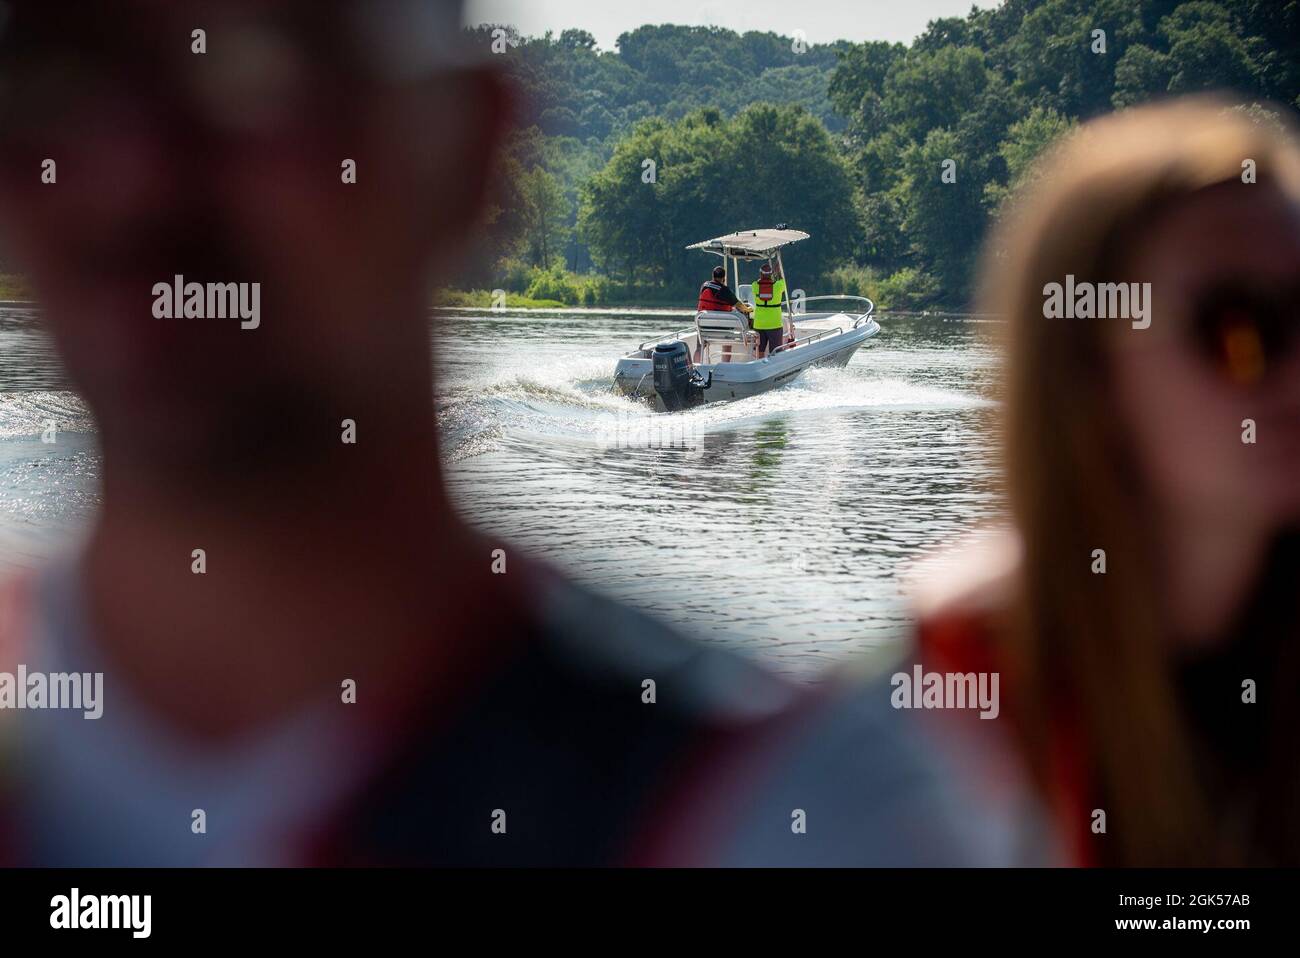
(862, 318)
(808, 339)
(667, 337)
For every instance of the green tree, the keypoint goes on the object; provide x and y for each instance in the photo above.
(928, 90)
(787, 170)
(621, 217)
(857, 86)
(544, 214)
(768, 165)
(577, 40)
(1140, 74)
(1026, 141)
(1055, 52)
(942, 218)
(1206, 51)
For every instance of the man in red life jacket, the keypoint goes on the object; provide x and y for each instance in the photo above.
(716, 296)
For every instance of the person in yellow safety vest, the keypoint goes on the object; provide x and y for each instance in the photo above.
(769, 295)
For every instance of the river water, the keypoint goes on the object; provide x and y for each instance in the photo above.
(781, 525)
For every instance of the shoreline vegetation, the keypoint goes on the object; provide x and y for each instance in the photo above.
(15, 289)
(593, 293)
(908, 289)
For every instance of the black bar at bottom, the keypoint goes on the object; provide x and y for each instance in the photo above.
(941, 906)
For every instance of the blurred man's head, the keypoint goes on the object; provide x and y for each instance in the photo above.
(223, 157)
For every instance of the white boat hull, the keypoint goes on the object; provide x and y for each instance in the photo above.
(634, 377)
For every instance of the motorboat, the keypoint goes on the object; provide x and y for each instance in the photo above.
(716, 359)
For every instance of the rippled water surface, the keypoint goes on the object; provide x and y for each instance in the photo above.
(780, 524)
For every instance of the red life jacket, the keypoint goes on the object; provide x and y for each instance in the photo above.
(711, 298)
(763, 291)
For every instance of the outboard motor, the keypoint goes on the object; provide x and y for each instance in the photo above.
(677, 383)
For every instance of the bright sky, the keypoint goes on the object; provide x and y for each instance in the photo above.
(821, 20)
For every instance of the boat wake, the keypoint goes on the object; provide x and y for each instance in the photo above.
(572, 402)
(575, 403)
(27, 414)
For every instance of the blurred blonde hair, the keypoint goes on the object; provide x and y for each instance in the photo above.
(1089, 649)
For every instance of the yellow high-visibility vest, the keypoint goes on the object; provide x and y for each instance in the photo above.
(769, 317)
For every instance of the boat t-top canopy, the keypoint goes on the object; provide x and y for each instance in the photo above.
(751, 244)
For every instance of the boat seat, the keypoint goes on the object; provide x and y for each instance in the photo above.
(729, 330)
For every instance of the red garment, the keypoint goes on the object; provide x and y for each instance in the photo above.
(963, 641)
(713, 297)
(15, 594)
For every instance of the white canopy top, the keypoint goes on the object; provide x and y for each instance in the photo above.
(750, 244)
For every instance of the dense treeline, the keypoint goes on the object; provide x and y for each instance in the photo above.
(894, 157)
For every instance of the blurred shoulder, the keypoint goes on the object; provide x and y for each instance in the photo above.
(777, 774)
(861, 783)
(963, 590)
(600, 642)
